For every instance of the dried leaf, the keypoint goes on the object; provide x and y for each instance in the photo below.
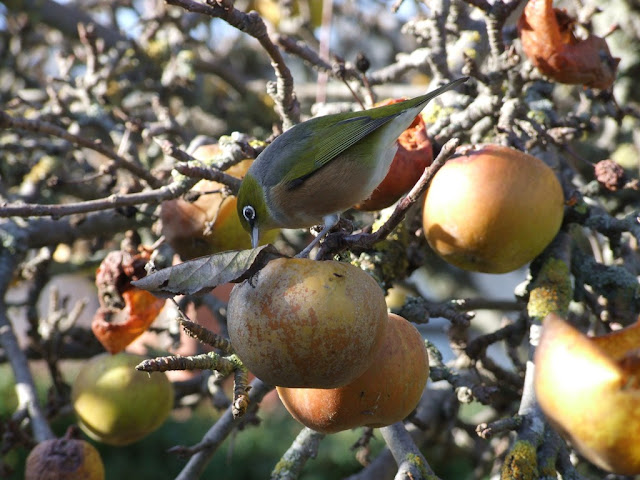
(549, 41)
(205, 273)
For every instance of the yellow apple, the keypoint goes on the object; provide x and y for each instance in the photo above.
(117, 404)
(210, 224)
(492, 209)
(589, 389)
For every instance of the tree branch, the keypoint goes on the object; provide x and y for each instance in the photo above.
(41, 127)
(218, 433)
(25, 386)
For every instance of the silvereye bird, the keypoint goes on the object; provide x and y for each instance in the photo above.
(319, 168)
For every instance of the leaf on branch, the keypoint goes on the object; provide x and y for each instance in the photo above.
(202, 274)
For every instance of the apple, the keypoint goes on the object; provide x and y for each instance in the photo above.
(549, 41)
(116, 330)
(589, 389)
(125, 312)
(492, 209)
(210, 224)
(384, 394)
(64, 459)
(117, 404)
(307, 323)
(413, 156)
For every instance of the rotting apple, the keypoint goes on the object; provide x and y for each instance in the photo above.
(64, 458)
(549, 41)
(492, 209)
(307, 323)
(125, 312)
(210, 224)
(414, 154)
(589, 390)
(384, 394)
(117, 404)
(122, 328)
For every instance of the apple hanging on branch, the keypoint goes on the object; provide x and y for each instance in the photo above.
(307, 323)
(384, 394)
(116, 404)
(589, 390)
(492, 208)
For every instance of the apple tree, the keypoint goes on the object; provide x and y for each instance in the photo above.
(478, 313)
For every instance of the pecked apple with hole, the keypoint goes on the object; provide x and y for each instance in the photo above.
(589, 390)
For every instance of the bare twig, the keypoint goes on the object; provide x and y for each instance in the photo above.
(338, 242)
(168, 192)
(252, 24)
(41, 127)
(66, 17)
(25, 386)
(203, 452)
(434, 414)
(488, 430)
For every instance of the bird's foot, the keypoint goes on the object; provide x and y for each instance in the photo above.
(330, 221)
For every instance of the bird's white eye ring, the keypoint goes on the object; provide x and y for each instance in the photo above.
(249, 213)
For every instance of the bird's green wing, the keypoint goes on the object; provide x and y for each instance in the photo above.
(335, 139)
(318, 141)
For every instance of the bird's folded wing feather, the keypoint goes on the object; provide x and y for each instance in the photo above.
(335, 139)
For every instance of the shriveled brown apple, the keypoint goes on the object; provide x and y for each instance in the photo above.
(492, 209)
(125, 312)
(306, 323)
(589, 389)
(384, 394)
(64, 458)
(549, 41)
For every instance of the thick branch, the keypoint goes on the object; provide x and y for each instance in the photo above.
(25, 385)
(550, 292)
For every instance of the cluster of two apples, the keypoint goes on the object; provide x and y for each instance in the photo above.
(320, 332)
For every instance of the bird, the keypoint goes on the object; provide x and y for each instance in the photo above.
(322, 167)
